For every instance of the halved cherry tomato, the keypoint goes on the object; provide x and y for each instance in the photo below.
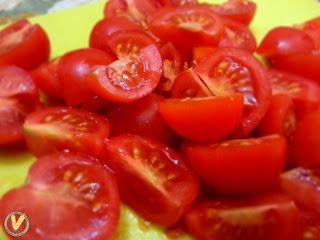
(199, 53)
(141, 118)
(239, 166)
(310, 222)
(187, 27)
(82, 194)
(304, 92)
(128, 79)
(24, 44)
(47, 80)
(102, 31)
(73, 69)
(57, 129)
(266, 217)
(231, 71)
(237, 35)
(241, 11)
(312, 28)
(280, 118)
(282, 41)
(161, 187)
(188, 84)
(203, 119)
(306, 141)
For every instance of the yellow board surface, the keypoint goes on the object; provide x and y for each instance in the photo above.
(70, 30)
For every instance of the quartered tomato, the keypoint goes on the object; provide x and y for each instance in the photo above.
(280, 118)
(187, 27)
(24, 44)
(283, 41)
(203, 119)
(239, 166)
(241, 11)
(72, 188)
(312, 28)
(266, 217)
(57, 129)
(73, 70)
(128, 79)
(102, 31)
(230, 71)
(47, 80)
(141, 118)
(161, 187)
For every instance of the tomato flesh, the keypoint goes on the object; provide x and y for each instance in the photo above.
(312, 28)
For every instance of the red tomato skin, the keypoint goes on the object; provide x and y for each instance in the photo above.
(102, 31)
(282, 41)
(306, 139)
(145, 120)
(311, 28)
(258, 164)
(199, 53)
(204, 220)
(25, 53)
(73, 69)
(203, 119)
(47, 80)
(154, 195)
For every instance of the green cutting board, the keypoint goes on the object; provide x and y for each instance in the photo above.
(70, 30)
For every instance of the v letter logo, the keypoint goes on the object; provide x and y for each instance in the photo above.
(16, 224)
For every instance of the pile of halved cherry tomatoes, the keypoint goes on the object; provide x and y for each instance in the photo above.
(169, 112)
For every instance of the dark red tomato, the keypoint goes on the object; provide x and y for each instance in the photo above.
(128, 42)
(128, 79)
(280, 117)
(187, 27)
(242, 11)
(47, 80)
(95, 104)
(141, 118)
(203, 119)
(102, 31)
(84, 195)
(161, 187)
(56, 129)
(230, 71)
(304, 92)
(282, 41)
(312, 28)
(199, 53)
(306, 65)
(266, 217)
(306, 141)
(237, 35)
(189, 84)
(73, 69)
(310, 222)
(24, 44)
(239, 166)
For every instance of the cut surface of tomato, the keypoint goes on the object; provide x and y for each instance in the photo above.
(161, 187)
(266, 217)
(312, 28)
(239, 166)
(203, 119)
(56, 129)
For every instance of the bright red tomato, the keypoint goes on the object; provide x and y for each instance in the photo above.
(266, 217)
(178, 3)
(57, 129)
(306, 141)
(239, 166)
(71, 188)
(230, 71)
(203, 119)
(141, 118)
(162, 188)
(73, 69)
(242, 11)
(102, 31)
(128, 79)
(47, 80)
(304, 92)
(187, 27)
(280, 117)
(312, 28)
(24, 44)
(199, 53)
(282, 41)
